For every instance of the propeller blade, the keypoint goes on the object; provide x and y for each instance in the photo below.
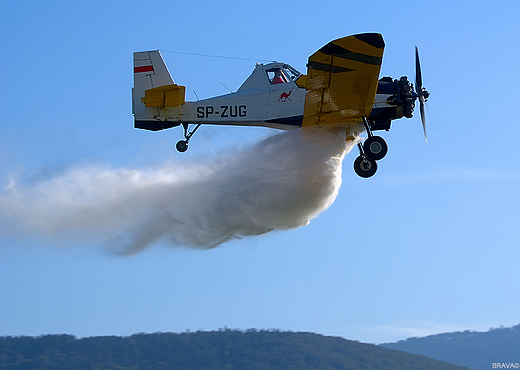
(421, 94)
(418, 75)
(423, 119)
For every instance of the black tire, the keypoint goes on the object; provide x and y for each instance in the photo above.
(365, 167)
(182, 146)
(375, 148)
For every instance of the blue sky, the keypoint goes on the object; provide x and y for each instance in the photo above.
(428, 245)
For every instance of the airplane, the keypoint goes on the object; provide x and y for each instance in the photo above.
(341, 87)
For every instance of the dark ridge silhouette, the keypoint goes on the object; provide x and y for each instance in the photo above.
(494, 349)
(223, 349)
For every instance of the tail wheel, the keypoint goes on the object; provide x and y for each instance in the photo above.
(375, 147)
(182, 146)
(365, 166)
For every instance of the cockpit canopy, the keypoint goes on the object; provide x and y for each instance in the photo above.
(264, 76)
(282, 74)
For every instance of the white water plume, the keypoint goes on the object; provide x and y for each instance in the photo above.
(279, 183)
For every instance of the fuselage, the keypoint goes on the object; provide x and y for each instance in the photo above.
(272, 96)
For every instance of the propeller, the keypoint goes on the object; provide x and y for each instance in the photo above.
(421, 92)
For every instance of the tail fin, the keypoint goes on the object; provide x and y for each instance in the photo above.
(150, 72)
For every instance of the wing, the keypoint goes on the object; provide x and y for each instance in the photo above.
(342, 80)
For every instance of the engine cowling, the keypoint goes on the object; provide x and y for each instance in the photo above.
(395, 99)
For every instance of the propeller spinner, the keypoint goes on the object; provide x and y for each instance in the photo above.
(421, 92)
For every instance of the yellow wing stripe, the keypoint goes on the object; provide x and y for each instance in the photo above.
(342, 80)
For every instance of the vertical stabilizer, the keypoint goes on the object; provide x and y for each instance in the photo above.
(150, 72)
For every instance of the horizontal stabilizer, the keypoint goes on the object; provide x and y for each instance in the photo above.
(164, 96)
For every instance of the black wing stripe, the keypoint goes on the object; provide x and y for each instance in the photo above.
(324, 67)
(340, 52)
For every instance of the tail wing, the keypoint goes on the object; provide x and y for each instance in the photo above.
(151, 80)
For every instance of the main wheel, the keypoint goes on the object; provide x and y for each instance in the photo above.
(182, 146)
(375, 147)
(365, 167)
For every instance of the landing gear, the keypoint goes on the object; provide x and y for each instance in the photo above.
(375, 146)
(363, 165)
(373, 149)
(182, 145)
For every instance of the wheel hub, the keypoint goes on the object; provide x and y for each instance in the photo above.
(376, 147)
(366, 165)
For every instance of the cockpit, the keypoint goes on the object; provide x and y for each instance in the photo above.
(269, 76)
(282, 74)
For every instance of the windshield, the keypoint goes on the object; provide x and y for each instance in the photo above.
(292, 72)
(282, 74)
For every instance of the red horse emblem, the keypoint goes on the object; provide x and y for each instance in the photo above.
(285, 96)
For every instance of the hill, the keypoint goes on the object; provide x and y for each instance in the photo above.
(497, 348)
(224, 349)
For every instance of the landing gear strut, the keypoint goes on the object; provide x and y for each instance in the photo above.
(182, 145)
(373, 149)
